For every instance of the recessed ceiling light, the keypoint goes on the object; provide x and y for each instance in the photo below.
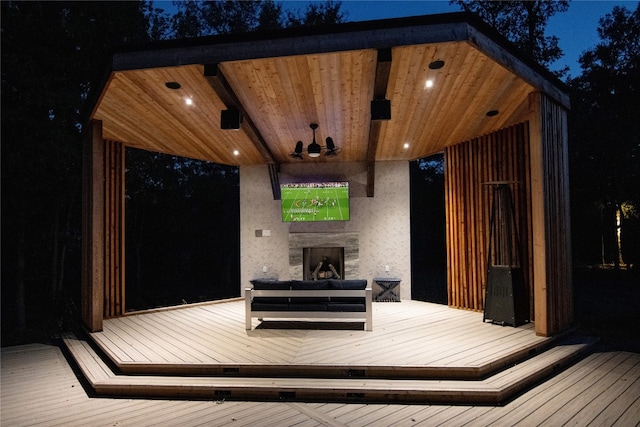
(492, 113)
(406, 145)
(429, 83)
(434, 65)
(173, 85)
(236, 153)
(188, 101)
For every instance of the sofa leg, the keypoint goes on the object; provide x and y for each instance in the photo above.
(247, 308)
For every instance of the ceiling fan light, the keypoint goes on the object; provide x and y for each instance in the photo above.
(314, 149)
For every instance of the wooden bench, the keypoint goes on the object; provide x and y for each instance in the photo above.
(296, 303)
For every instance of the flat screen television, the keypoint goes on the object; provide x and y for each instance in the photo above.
(315, 201)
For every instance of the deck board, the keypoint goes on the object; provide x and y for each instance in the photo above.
(39, 388)
(599, 389)
(408, 333)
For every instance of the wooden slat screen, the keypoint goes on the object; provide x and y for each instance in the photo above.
(114, 291)
(551, 215)
(499, 156)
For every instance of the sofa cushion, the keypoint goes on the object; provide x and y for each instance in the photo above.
(343, 306)
(271, 285)
(307, 306)
(309, 284)
(298, 285)
(353, 284)
(260, 306)
(348, 285)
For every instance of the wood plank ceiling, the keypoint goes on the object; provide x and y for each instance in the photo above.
(280, 96)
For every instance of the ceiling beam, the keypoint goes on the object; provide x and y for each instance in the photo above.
(221, 86)
(383, 69)
(216, 79)
(274, 170)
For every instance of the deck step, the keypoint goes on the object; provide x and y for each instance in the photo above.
(519, 351)
(495, 389)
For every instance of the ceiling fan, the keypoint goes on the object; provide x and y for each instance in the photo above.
(314, 149)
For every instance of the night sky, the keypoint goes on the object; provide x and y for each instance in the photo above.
(575, 28)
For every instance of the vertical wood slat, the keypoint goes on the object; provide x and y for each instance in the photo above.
(114, 292)
(92, 227)
(550, 213)
(499, 156)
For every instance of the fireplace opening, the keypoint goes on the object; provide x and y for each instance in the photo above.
(323, 263)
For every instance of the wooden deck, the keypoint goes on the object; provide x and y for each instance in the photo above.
(410, 338)
(40, 388)
(418, 352)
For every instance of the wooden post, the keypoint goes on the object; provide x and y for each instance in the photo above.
(93, 212)
(552, 266)
(536, 151)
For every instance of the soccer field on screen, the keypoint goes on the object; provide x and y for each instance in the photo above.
(315, 202)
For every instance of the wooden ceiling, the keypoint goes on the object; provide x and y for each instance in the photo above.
(281, 91)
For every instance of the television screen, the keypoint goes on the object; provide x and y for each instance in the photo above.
(315, 201)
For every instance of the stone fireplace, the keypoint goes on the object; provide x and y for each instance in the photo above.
(308, 250)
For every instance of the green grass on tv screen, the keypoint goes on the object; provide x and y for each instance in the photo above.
(310, 202)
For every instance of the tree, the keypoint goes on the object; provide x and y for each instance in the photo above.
(317, 14)
(182, 222)
(523, 23)
(53, 54)
(199, 18)
(605, 140)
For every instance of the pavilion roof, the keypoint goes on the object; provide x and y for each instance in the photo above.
(283, 81)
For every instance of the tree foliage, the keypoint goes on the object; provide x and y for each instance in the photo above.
(317, 14)
(200, 18)
(182, 222)
(523, 23)
(605, 141)
(53, 55)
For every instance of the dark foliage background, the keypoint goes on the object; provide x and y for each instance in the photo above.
(182, 215)
(182, 222)
(428, 230)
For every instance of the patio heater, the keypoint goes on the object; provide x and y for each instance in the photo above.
(505, 296)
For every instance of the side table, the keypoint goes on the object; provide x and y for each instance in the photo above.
(387, 289)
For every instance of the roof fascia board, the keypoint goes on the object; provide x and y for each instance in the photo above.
(373, 38)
